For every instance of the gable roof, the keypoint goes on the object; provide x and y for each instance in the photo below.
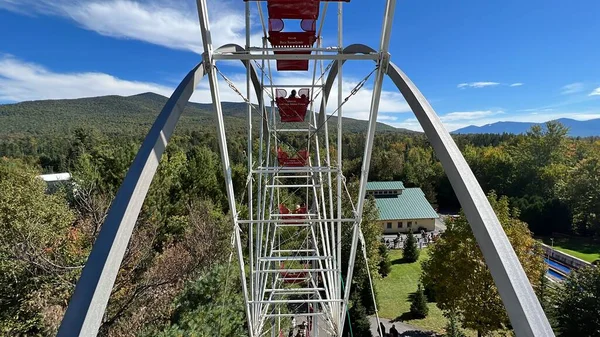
(411, 204)
(384, 185)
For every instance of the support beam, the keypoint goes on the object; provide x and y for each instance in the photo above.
(366, 164)
(231, 56)
(209, 65)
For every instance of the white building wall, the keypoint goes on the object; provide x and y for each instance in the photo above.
(402, 226)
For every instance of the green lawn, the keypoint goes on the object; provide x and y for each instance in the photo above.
(394, 290)
(582, 248)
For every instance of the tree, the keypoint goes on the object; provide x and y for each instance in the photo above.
(460, 278)
(577, 304)
(418, 305)
(429, 292)
(581, 192)
(410, 251)
(210, 306)
(452, 327)
(357, 320)
(385, 265)
(41, 255)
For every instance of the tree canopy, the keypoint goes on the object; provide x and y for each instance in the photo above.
(461, 279)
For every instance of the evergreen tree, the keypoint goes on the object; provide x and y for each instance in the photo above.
(359, 321)
(429, 291)
(418, 305)
(385, 265)
(452, 327)
(577, 306)
(366, 296)
(542, 291)
(411, 252)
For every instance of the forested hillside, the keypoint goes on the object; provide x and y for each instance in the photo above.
(126, 115)
(172, 281)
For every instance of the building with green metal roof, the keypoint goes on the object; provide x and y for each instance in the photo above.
(401, 209)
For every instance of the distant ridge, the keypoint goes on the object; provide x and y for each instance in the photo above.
(576, 128)
(127, 114)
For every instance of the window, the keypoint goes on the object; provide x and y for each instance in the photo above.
(399, 224)
(389, 225)
(409, 224)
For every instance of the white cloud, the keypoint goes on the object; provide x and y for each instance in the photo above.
(468, 115)
(477, 85)
(172, 24)
(358, 106)
(21, 81)
(572, 88)
(596, 92)
(518, 84)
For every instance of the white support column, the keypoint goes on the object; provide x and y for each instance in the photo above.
(216, 99)
(383, 64)
(338, 235)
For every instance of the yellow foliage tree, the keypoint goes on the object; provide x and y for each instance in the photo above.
(461, 280)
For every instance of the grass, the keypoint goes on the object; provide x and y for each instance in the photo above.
(582, 248)
(394, 291)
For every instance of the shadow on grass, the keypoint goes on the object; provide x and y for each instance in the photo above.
(407, 316)
(400, 261)
(416, 333)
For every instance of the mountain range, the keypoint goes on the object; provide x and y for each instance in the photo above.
(576, 128)
(135, 114)
(131, 115)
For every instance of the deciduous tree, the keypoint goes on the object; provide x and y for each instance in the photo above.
(461, 279)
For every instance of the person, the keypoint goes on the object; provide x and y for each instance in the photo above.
(291, 333)
(382, 328)
(293, 322)
(293, 94)
(394, 332)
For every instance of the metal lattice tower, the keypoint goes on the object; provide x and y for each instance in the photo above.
(292, 268)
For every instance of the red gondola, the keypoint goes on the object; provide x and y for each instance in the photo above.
(302, 211)
(298, 161)
(292, 109)
(306, 11)
(293, 277)
(293, 9)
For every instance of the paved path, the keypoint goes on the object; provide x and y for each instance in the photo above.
(404, 329)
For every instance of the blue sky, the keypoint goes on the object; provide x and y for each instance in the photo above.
(476, 61)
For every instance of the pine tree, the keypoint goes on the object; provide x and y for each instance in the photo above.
(359, 321)
(418, 305)
(452, 328)
(385, 266)
(411, 252)
(429, 291)
(542, 291)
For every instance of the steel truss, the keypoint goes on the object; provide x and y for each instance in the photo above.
(292, 268)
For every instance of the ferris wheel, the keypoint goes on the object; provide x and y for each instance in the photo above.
(298, 207)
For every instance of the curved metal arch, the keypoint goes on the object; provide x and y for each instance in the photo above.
(92, 292)
(524, 310)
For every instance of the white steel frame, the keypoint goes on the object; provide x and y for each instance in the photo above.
(264, 292)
